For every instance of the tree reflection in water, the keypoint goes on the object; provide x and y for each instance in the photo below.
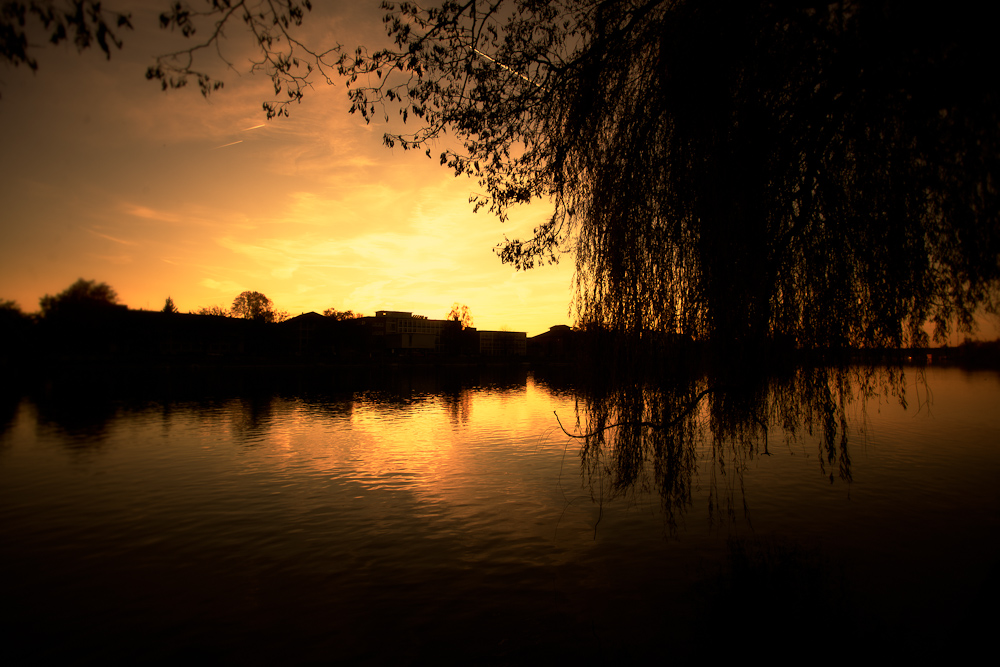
(642, 435)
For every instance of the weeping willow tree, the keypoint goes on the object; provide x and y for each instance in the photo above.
(823, 175)
(732, 171)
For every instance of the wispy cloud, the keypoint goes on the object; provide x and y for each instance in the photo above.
(111, 238)
(227, 286)
(150, 214)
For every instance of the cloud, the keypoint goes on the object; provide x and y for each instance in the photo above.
(149, 214)
(228, 286)
(111, 238)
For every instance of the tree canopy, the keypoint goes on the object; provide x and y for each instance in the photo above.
(460, 313)
(201, 23)
(83, 296)
(821, 173)
(215, 311)
(84, 22)
(341, 315)
(257, 307)
(253, 306)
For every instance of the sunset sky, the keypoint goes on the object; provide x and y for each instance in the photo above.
(105, 177)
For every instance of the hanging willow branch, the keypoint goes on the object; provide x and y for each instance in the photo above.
(642, 424)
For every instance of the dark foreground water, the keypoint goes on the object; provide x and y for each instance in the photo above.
(418, 524)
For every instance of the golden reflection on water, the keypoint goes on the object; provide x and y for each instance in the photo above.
(475, 457)
(472, 453)
(467, 509)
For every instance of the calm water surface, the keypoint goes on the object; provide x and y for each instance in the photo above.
(410, 526)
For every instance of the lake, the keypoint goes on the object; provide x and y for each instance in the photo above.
(413, 518)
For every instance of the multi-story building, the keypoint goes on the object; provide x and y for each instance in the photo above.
(503, 343)
(400, 330)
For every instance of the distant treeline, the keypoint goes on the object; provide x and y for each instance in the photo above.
(136, 337)
(85, 325)
(118, 335)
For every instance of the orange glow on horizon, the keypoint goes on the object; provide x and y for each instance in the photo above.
(107, 178)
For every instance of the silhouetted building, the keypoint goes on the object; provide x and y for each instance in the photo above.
(503, 343)
(558, 343)
(399, 332)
